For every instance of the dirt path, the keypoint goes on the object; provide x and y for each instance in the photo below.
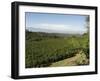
(79, 59)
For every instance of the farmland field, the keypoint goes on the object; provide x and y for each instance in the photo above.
(53, 49)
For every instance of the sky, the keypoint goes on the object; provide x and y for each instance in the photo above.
(55, 23)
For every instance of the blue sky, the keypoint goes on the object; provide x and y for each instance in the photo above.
(55, 23)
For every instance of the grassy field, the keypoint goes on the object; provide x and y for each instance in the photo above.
(51, 50)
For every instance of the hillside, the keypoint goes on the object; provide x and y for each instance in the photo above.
(53, 47)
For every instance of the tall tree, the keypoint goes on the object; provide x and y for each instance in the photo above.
(88, 24)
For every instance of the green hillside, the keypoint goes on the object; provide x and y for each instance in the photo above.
(43, 49)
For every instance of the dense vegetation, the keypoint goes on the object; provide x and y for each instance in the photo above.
(42, 49)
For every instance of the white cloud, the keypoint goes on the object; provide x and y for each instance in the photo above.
(54, 26)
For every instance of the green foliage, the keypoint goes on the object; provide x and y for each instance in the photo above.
(82, 59)
(43, 49)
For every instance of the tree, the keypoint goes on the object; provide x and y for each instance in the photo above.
(87, 23)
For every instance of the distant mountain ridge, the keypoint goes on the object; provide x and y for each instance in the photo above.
(31, 29)
(53, 34)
